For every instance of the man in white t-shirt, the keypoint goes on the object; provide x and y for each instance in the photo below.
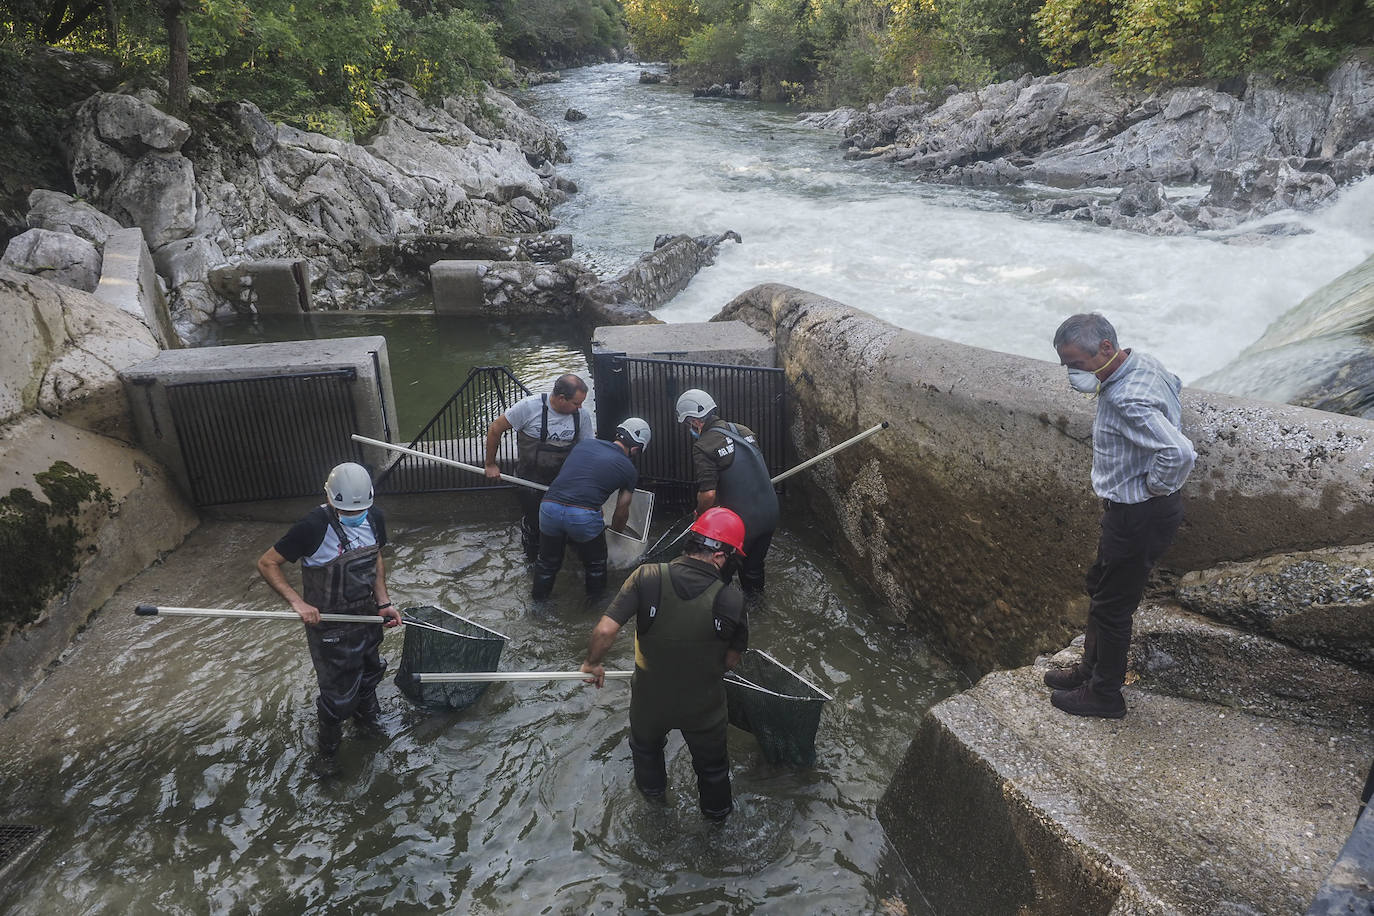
(546, 428)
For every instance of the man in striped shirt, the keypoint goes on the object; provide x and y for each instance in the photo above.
(1140, 460)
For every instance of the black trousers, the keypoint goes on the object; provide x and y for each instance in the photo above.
(1134, 536)
(348, 666)
(549, 560)
(706, 742)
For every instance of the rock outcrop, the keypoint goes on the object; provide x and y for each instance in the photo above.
(61, 400)
(56, 256)
(1261, 150)
(1320, 600)
(229, 186)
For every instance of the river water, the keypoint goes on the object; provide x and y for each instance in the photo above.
(170, 756)
(965, 265)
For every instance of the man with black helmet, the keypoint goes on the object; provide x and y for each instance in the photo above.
(690, 628)
(731, 472)
(339, 545)
(546, 426)
(571, 508)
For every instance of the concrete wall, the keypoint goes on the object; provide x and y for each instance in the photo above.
(973, 515)
(128, 281)
(147, 386)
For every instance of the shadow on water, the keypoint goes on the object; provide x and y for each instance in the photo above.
(170, 755)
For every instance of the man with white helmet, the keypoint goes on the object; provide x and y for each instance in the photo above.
(571, 509)
(731, 472)
(546, 426)
(339, 546)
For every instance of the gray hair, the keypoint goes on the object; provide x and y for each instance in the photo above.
(1086, 332)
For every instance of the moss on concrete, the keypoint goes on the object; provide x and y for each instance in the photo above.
(40, 540)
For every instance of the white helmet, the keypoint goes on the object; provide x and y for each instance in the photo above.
(636, 431)
(349, 487)
(695, 403)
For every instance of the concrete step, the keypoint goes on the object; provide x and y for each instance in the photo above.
(1004, 804)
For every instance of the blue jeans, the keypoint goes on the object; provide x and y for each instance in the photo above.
(559, 524)
(572, 522)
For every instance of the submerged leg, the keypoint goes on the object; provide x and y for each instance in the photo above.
(593, 555)
(547, 566)
(712, 767)
(326, 762)
(651, 771)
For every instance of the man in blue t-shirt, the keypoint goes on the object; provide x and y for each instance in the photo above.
(571, 509)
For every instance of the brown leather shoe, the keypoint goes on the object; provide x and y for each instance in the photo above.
(1067, 678)
(1085, 701)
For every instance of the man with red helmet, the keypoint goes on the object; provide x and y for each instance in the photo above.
(690, 628)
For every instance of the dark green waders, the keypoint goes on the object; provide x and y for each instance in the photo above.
(677, 684)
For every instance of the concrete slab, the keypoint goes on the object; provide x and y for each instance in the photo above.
(457, 287)
(1004, 804)
(129, 281)
(372, 395)
(729, 343)
(279, 286)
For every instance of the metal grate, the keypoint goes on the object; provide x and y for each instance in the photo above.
(269, 437)
(458, 432)
(628, 386)
(18, 844)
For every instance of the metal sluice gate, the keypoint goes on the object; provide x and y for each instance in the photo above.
(458, 432)
(269, 437)
(632, 386)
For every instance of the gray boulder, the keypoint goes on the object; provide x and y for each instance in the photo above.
(56, 256)
(1350, 114)
(60, 212)
(1320, 600)
(133, 126)
(158, 195)
(1260, 186)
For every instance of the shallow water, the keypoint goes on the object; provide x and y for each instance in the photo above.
(962, 264)
(170, 756)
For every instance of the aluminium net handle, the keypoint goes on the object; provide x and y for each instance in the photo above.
(448, 461)
(152, 610)
(827, 453)
(455, 677)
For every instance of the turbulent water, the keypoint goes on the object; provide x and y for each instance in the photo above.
(960, 264)
(170, 757)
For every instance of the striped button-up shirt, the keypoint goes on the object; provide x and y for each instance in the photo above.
(1139, 449)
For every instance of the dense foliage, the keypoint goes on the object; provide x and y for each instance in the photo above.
(313, 64)
(855, 50)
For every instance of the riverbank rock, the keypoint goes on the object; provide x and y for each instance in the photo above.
(60, 212)
(1263, 149)
(227, 186)
(61, 351)
(651, 281)
(1190, 804)
(1321, 600)
(56, 256)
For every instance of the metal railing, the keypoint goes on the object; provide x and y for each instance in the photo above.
(458, 432)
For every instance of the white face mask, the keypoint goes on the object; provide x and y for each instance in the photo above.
(1084, 381)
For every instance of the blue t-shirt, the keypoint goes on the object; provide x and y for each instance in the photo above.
(594, 469)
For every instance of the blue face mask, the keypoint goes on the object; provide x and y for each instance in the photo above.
(353, 521)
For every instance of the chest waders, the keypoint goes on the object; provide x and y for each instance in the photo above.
(539, 460)
(348, 665)
(746, 489)
(678, 684)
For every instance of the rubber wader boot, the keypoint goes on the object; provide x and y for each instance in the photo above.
(594, 575)
(368, 716)
(326, 761)
(529, 539)
(713, 788)
(651, 772)
(547, 565)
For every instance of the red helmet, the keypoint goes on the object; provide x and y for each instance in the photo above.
(719, 526)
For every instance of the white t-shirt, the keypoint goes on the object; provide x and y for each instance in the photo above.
(526, 416)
